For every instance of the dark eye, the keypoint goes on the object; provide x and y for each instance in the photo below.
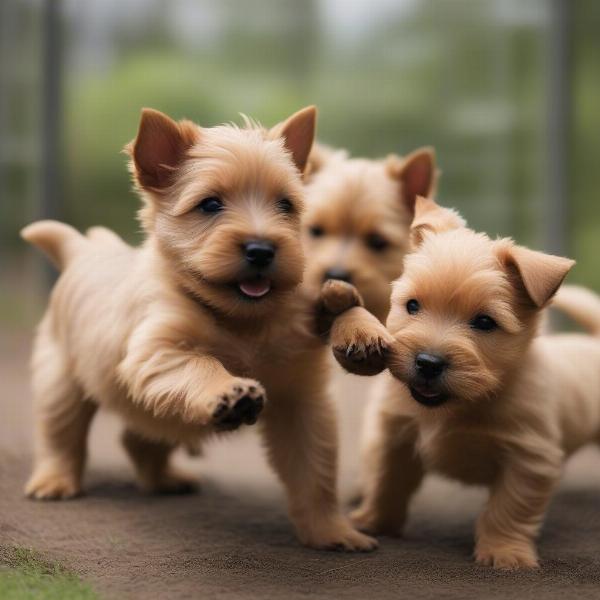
(285, 205)
(377, 242)
(317, 231)
(211, 205)
(412, 307)
(483, 323)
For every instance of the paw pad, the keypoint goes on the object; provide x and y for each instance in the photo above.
(363, 358)
(241, 406)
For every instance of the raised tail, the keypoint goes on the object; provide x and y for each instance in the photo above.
(60, 242)
(581, 305)
(105, 236)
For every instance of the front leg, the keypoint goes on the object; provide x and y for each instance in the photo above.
(391, 470)
(301, 440)
(506, 530)
(169, 378)
(359, 340)
(334, 298)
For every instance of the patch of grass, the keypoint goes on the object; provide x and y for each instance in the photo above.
(24, 575)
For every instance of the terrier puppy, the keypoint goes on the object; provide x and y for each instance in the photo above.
(358, 217)
(187, 335)
(475, 392)
(356, 229)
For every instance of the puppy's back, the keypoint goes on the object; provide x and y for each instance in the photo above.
(95, 302)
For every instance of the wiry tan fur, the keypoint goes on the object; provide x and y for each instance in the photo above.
(517, 403)
(160, 334)
(350, 199)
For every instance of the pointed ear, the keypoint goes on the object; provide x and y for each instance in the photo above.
(298, 133)
(540, 274)
(319, 156)
(430, 217)
(159, 148)
(416, 173)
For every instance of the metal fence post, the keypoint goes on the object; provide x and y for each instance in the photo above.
(51, 202)
(556, 218)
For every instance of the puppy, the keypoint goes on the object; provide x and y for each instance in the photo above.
(358, 217)
(475, 392)
(356, 229)
(187, 335)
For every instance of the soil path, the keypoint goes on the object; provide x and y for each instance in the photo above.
(232, 540)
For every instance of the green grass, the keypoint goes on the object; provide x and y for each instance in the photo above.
(24, 575)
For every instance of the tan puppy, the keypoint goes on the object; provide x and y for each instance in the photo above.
(190, 333)
(476, 394)
(358, 217)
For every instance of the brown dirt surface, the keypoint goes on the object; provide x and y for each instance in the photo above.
(233, 540)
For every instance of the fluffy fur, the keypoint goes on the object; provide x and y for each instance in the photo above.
(358, 217)
(510, 404)
(165, 336)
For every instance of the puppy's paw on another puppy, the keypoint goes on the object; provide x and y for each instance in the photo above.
(52, 486)
(362, 357)
(338, 537)
(338, 296)
(335, 298)
(240, 403)
(362, 350)
(507, 557)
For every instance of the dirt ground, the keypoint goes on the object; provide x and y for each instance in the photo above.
(232, 540)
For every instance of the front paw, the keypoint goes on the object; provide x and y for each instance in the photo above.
(338, 296)
(49, 485)
(338, 536)
(363, 351)
(171, 482)
(366, 519)
(238, 404)
(507, 555)
(335, 298)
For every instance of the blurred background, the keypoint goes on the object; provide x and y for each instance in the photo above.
(508, 91)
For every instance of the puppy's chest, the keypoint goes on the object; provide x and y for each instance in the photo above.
(470, 457)
(246, 356)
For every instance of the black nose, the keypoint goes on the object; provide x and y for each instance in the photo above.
(430, 366)
(259, 253)
(338, 273)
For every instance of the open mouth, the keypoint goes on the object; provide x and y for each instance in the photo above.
(427, 396)
(255, 288)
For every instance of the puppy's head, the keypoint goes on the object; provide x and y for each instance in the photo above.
(223, 205)
(358, 216)
(465, 309)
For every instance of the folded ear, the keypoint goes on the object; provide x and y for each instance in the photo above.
(430, 217)
(416, 173)
(159, 148)
(298, 133)
(540, 274)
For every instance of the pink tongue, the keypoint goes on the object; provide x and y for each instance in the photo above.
(255, 288)
(426, 392)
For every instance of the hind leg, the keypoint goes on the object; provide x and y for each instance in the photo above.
(151, 462)
(62, 420)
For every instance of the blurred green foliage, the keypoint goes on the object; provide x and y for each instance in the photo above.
(468, 77)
